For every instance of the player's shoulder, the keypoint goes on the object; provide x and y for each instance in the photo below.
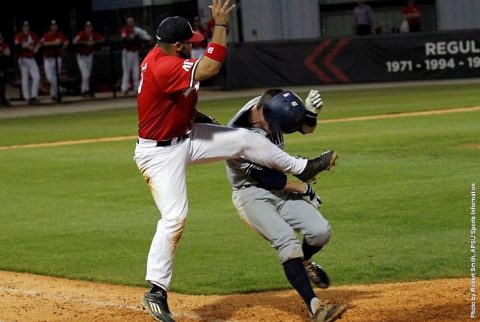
(166, 63)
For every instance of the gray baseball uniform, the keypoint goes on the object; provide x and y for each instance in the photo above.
(273, 213)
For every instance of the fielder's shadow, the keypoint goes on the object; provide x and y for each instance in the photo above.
(290, 303)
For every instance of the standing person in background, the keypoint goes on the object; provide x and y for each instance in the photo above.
(362, 15)
(4, 54)
(198, 48)
(412, 13)
(132, 36)
(54, 43)
(85, 42)
(27, 45)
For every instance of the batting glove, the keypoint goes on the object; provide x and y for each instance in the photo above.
(311, 196)
(314, 102)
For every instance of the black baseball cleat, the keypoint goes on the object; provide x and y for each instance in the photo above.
(325, 161)
(329, 312)
(317, 274)
(155, 301)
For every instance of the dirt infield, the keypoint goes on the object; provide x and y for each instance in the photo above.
(27, 297)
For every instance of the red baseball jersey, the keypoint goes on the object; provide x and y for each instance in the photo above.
(52, 51)
(412, 9)
(167, 96)
(84, 49)
(31, 39)
(131, 43)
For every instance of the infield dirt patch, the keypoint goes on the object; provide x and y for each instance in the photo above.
(28, 297)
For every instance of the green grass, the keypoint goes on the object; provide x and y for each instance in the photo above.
(398, 201)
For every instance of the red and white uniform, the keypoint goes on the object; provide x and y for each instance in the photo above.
(412, 14)
(166, 101)
(131, 36)
(85, 55)
(26, 43)
(49, 55)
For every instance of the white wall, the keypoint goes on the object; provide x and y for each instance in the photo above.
(458, 14)
(280, 19)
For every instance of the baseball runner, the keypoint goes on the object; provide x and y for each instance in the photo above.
(4, 53)
(27, 45)
(168, 140)
(131, 37)
(276, 207)
(85, 42)
(54, 43)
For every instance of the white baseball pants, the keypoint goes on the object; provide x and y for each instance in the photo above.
(164, 170)
(130, 64)
(85, 66)
(49, 66)
(28, 67)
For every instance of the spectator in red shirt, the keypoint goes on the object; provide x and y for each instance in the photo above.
(198, 48)
(54, 43)
(412, 14)
(4, 53)
(27, 45)
(85, 42)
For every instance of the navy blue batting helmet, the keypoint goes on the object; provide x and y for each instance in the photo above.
(284, 112)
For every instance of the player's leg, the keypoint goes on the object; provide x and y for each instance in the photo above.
(125, 71)
(23, 66)
(58, 75)
(306, 219)
(259, 208)
(135, 71)
(88, 72)
(303, 217)
(164, 171)
(49, 66)
(211, 143)
(35, 74)
(82, 65)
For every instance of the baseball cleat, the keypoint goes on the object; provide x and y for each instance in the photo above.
(329, 312)
(317, 274)
(156, 304)
(325, 161)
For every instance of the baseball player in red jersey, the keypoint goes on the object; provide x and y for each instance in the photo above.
(4, 53)
(27, 45)
(132, 36)
(54, 42)
(85, 41)
(412, 13)
(169, 140)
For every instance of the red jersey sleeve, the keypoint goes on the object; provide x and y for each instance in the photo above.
(96, 36)
(175, 74)
(63, 38)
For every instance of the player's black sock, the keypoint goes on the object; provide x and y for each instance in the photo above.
(156, 288)
(297, 276)
(309, 251)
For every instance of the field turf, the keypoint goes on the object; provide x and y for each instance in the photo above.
(398, 201)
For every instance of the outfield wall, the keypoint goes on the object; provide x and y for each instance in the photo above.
(420, 56)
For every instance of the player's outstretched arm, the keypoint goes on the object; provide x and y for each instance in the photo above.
(216, 51)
